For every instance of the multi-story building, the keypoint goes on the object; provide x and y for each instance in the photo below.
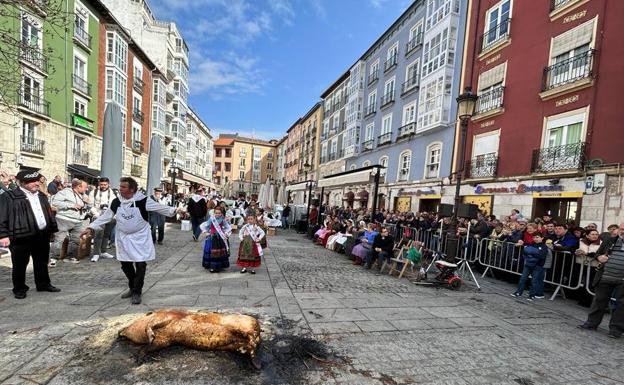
(293, 152)
(165, 46)
(546, 135)
(280, 162)
(408, 121)
(222, 170)
(310, 143)
(332, 138)
(198, 162)
(253, 163)
(57, 124)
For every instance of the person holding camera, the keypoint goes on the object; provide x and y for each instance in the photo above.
(72, 207)
(101, 198)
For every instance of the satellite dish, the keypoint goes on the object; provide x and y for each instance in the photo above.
(594, 163)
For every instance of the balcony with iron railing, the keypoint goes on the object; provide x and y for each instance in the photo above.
(81, 85)
(137, 146)
(34, 57)
(410, 84)
(34, 103)
(81, 157)
(82, 37)
(387, 99)
(482, 166)
(496, 35)
(384, 139)
(569, 71)
(368, 145)
(414, 43)
(370, 110)
(136, 170)
(373, 77)
(138, 84)
(490, 100)
(558, 158)
(390, 63)
(558, 4)
(406, 130)
(137, 116)
(32, 145)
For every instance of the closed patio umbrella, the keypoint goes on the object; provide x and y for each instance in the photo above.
(112, 144)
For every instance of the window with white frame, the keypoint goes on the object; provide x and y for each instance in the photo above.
(242, 162)
(392, 55)
(484, 154)
(439, 50)
(411, 75)
(564, 131)
(409, 113)
(430, 102)
(31, 34)
(324, 151)
(243, 152)
(438, 9)
(490, 88)
(336, 122)
(366, 163)
(116, 51)
(386, 124)
(136, 135)
(432, 165)
(32, 90)
(29, 131)
(241, 175)
(269, 166)
(136, 104)
(405, 161)
(352, 167)
(116, 87)
(374, 70)
(415, 35)
(369, 132)
(497, 23)
(255, 176)
(159, 92)
(80, 106)
(372, 100)
(257, 154)
(571, 55)
(383, 161)
(334, 147)
(80, 69)
(389, 89)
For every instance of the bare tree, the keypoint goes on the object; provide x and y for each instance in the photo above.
(23, 25)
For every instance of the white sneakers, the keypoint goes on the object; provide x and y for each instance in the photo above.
(52, 262)
(96, 257)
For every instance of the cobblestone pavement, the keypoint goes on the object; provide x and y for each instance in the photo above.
(324, 320)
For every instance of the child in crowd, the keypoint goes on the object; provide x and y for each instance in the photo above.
(250, 250)
(534, 256)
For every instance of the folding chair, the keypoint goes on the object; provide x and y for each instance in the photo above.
(400, 258)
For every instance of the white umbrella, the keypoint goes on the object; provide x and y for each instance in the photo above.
(261, 197)
(271, 196)
(280, 195)
(266, 201)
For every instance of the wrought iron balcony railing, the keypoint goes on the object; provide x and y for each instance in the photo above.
(490, 100)
(137, 145)
(384, 139)
(387, 99)
(373, 77)
(137, 115)
(138, 84)
(368, 145)
(495, 34)
(410, 84)
(390, 63)
(81, 85)
(370, 109)
(415, 42)
(568, 71)
(136, 170)
(81, 157)
(482, 166)
(35, 57)
(406, 130)
(82, 36)
(32, 145)
(34, 103)
(555, 4)
(558, 158)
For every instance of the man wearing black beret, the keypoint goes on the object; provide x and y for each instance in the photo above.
(26, 227)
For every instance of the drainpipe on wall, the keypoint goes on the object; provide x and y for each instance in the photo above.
(67, 122)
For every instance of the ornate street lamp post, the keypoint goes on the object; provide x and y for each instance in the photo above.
(174, 170)
(466, 103)
(307, 168)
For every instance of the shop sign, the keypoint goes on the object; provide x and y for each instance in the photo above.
(568, 194)
(419, 193)
(82, 122)
(520, 189)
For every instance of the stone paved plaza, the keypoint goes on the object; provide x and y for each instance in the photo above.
(324, 320)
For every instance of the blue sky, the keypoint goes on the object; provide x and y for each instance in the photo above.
(258, 65)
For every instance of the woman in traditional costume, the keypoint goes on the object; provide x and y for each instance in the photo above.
(361, 250)
(250, 251)
(260, 223)
(216, 247)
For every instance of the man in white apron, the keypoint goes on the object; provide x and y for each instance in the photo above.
(133, 235)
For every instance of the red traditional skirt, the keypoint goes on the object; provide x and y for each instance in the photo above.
(248, 253)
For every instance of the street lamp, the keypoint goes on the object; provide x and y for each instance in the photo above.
(466, 103)
(174, 170)
(307, 168)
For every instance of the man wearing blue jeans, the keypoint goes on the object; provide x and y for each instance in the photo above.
(285, 216)
(534, 257)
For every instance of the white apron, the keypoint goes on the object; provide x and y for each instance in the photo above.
(133, 236)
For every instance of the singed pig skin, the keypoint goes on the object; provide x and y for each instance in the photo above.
(205, 331)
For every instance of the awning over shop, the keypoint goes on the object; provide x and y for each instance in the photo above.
(83, 170)
(301, 186)
(348, 178)
(187, 176)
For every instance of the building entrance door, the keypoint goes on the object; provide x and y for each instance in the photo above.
(561, 209)
(428, 205)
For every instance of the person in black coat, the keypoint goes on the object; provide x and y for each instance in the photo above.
(26, 227)
(382, 249)
(197, 209)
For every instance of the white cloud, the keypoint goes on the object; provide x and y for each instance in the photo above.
(227, 76)
(284, 9)
(319, 8)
